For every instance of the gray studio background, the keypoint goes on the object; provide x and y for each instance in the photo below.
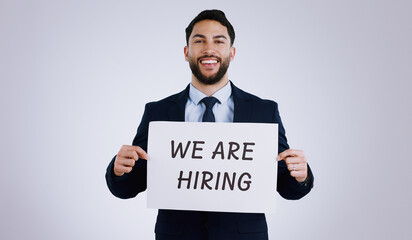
(75, 76)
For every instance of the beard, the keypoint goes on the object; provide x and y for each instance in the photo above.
(215, 78)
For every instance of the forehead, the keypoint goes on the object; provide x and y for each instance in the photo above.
(209, 27)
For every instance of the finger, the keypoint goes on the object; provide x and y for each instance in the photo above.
(135, 155)
(289, 153)
(134, 152)
(299, 174)
(128, 154)
(296, 167)
(127, 162)
(123, 169)
(142, 153)
(296, 160)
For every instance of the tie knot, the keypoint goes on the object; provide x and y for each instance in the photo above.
(209, 102)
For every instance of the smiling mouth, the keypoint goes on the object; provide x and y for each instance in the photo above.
(209, 61)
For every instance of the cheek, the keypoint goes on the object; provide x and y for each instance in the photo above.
(188, 56)
(228, 55)
(191, 55)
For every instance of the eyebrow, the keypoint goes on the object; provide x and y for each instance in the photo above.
(203, 36)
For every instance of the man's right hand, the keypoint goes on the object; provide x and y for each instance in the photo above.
(126, 158)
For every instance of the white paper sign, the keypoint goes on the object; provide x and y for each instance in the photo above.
(228, 167)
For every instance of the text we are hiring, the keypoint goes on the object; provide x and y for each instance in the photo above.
(207, 180)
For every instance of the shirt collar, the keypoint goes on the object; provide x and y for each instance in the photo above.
(222, 94)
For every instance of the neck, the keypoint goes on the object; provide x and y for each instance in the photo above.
(209, 90)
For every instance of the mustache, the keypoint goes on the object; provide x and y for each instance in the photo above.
(209, 56)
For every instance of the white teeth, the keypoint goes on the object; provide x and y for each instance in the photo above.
(209, 61)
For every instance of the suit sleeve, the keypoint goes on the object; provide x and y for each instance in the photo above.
(287, 186)
(130, 184)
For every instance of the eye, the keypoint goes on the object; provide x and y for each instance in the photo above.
(198, 41)
(219, 42)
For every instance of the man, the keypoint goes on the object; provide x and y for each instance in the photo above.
(209, 51)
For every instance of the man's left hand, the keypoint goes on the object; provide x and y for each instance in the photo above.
(296, 163)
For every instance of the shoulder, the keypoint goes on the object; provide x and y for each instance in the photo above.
(254, 108)
(246, 96)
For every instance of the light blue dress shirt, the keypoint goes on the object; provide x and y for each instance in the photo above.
(223, 111)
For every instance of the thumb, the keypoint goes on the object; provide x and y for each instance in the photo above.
(142, 153)
(284, 154)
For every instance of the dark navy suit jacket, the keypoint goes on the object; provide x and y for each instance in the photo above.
(198, 225)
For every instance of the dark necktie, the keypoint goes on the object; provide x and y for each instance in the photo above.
(209, 102)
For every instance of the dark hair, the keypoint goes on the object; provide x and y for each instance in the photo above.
(216, 15)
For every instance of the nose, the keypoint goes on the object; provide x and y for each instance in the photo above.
(209, 49)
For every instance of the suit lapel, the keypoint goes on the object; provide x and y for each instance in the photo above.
(176, 111)
(243, 106)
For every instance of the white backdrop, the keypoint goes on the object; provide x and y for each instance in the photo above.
(75, 76)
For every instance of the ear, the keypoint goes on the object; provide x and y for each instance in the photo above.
(232, 53)
(186, 52)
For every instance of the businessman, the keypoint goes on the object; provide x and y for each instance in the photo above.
(210, 97)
